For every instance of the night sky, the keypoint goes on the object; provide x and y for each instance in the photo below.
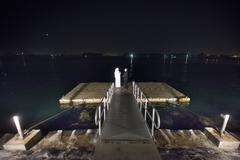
(73, 27)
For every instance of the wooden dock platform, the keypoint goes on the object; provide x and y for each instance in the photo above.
(85, 93)
(93, 93)
(160, 92)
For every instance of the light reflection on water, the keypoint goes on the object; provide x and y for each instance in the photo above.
(31, 86)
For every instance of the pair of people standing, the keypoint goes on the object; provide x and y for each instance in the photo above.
(117, 75)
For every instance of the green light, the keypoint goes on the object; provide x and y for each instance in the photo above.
(131, 55)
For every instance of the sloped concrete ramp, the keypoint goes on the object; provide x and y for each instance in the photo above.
(125, 135)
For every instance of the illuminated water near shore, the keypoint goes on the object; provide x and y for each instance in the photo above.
(31, 86)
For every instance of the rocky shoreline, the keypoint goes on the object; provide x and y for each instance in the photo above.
(58, 145)
(80, 144)
(190, 145)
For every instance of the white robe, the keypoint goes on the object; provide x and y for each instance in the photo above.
(117, 75)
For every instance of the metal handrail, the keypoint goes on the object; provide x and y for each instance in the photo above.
(103, 108)
(55, 116)
(142, 99)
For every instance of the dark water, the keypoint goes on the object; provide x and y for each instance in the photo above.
(31, 86)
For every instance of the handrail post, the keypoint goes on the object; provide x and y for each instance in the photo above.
(107, 105)
(135, 91)
(104, 109)
(112, 91)
(99, 120)
(145, 113)
(137, 94)
(104, 102)
(140, 106)
(109, 92)
(141, 100)
(110, 95)
(107, 101)
(153, 119)
(133, 87)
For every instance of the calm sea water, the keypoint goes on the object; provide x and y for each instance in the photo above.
(31, 86)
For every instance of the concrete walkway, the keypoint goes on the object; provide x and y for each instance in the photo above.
(125, 135)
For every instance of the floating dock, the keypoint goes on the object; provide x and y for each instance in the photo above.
(93, 93)
(160, 92)
(85, 93)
